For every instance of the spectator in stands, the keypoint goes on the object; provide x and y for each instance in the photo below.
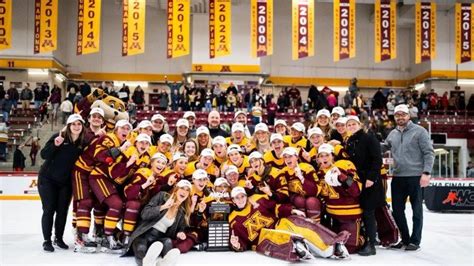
(70, 95)
(26, 96)
(209, 98)
(249, 100)
(470, 104)
(390, 108)
(55, 100)
(214, 121)
(3, 139)
(433, 100)
(400, 98)
(444, 101)
(164, 100)
(192, 100)
(332, 100)
(470, 169)
(232, 89)
(313, 97)
(2, 92)
(257, 113)
(45, 91)
(282, 102)
(35, 147)
(347, 99)
(358, 102)
(43, 111)
(66, 109)
(175, 100)
(241, 117)
(364, 117)
(124, 93)
(131, 109)
(231, 101)
(413, 113)
(353, 89)
(6, 107)
(37, 97)
(453, 102)
(379, 101)
(13, 95)
(138, 97)
(294, 96)
(423, 104)
(18, 159)
(271, 111)
(191, 117)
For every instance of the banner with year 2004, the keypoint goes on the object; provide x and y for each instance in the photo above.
(5, 24)
(219, 28)
(88, 26)
(261, 27)
(385, 30)
(133, 27)
(46, 26)
(464, 32)
(425, 32)
(344, 29)
(178, 28)
(302, 33)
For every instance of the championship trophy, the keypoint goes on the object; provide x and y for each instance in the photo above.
(219, 230)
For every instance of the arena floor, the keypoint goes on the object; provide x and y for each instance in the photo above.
(448, 239)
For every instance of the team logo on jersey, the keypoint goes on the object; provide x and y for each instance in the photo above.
(255, 223)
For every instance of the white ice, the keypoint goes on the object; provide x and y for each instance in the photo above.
(447, 240)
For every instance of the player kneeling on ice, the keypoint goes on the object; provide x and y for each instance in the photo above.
(254, 220)
(164, 218)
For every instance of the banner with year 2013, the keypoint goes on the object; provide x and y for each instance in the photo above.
(425, 32)
(385, 30)
(464, 32)
(302, 34)
(88, 26)
(261, 27)
(46, 26)
(344, 29)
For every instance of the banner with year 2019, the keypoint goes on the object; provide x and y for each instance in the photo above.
(5, 24)
(88, 26)
(133, 27)
(178, 28)
(261, 27)
(385, 30)
(344, 29)
(464, 32)
(46, 26)
(425, 32)
(219, 28)
(302, 33)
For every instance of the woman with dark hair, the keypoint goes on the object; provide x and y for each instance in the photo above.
(54, 179)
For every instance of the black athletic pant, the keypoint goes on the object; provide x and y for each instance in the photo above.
(403, 187)
(370, 225)
(55, 199)
(141, 244)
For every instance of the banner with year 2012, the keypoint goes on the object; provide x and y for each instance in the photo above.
(46, 26)
(385, 30)
(302, 34)
(5, 24)
(133, 27)
(344, 29)
(464, 32)
(88, 26)
(261, 27)
(425, 32)
(178, 28)
(219, 28)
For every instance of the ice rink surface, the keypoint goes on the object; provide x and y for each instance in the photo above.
(448, 239)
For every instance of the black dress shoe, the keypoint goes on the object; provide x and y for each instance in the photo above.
(399, 245)
(58, 242)
(368, 250)
(48, 246)
(412, 247)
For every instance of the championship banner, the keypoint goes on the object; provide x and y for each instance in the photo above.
(46, 26)
(385, 30)
(261, 27)
(5, 24)
(178, 28)
(464, 33)
(302, 28)
(219, 28)
(133, 27)
(425, 34)
(88, 27)
(344, 29)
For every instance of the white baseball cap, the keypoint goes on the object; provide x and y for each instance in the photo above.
(122, 123)
(342, 120)
(276, 136)
(182, 122)
(314, 130)
(219, 140)
(325, 148)
(236, 191)
(231, 169)
(144, 124)
(255, 155)
(298, 126)
(167, 138)
(143, 137)
(200, 174)
(158, 116)
(188, 114)
(261, 127)
(178, 156)
(97, 110)
(290, 151)
(159, 156)
(338, 110)
(352, 117)
(73, 118)
(232, 148)
(401, 108)
(207, 152)
(237, 127)
(280, 122)
(220, 181)
(184, 183)
(323, 112)
(202, 130)
(238, 113)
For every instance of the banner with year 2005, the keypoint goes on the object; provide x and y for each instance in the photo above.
(46, 26)
(219, 28)
(344, 29)
(302, 33)
(464, 32)
(385, 30)
(88, 26)
(425, 32)
(5, 24)
(261, 27)
(178, 28)
(133, 27)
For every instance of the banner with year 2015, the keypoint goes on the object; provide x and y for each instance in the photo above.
(344, 29)
(5, 24)
(464, 32)
(178, 28)
(261, 27)
(46, 26)
(88, 26)
(133, 27)
(425, 32)
(302, 34)
(219, 28)
(385, 30)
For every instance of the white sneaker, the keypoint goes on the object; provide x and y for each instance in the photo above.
(169, 259)
(152, 254)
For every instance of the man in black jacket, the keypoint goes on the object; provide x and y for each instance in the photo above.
(214, 121)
